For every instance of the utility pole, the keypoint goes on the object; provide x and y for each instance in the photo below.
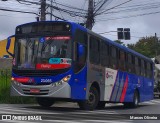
(90, 16)
(51, 9)
(43, 10)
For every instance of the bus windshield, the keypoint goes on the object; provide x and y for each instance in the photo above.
(42, 52)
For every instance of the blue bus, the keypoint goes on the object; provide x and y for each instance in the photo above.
(60, 60)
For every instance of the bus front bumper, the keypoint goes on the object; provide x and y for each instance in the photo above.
(57, 90)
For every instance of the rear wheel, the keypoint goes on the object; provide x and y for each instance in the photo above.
(45, 102)
(135, 102)
(92, 101)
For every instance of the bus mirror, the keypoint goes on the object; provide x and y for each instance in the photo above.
(8, 45)
(80, 50)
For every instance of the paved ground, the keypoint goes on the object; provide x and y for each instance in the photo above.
(70, 113)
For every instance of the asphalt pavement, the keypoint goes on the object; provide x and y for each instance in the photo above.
(67, 112)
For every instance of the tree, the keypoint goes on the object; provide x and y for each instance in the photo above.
(119, 42)
(147, 46)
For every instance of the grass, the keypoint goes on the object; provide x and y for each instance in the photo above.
(5, 80)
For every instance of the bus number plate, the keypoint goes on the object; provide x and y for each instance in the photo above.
(34, 90)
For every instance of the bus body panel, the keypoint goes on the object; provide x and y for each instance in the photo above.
(79, 84)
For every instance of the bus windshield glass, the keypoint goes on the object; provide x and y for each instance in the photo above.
(43, 52)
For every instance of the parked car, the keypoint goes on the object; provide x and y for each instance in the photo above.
(157, 92)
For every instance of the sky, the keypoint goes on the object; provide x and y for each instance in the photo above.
(141, 16)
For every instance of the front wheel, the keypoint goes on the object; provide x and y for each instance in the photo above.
(45, 102)
(92, 101)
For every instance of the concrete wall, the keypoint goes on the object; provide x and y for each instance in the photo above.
(5, 63)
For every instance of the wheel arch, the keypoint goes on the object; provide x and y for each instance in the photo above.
(97, 86)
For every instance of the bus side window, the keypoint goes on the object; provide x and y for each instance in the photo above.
(121, 62)
(129, 61)
(94, 50)
(138, 66)
(149, 70)
(104, 54)
(142, 68)
(113, 57)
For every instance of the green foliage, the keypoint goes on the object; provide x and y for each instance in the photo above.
(5, 80)
(147, 46)
(119, 42)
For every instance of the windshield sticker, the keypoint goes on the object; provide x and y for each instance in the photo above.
(60, 61)
(54, 60)
(42, 40)
(58, 38)
(65, 61)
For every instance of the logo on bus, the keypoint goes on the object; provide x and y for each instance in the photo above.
(109, 76)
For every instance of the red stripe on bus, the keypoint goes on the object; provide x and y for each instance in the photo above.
(52, 66)
(124, 90)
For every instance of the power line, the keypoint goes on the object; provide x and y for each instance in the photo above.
(113, 7)
(150, 6)
(18, 11)
(56, 16)
(83, 6)
(59, 10)
(138, 15)
(100, 6)
(116, 36)
(14, 16)
(70, 7)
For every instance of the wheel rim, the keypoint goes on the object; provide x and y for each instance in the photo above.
(136, 100)
(91, 99)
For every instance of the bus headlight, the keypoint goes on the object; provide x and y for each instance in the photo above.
(12, 79)
(66, 78)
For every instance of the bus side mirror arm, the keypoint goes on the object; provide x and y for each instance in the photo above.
(8, 45)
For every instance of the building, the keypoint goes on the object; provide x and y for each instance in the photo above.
(3, 44)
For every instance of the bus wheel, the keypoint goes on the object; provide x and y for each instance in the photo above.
(92, 101)
(45, 102)
(101, 105)
(135, 102)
